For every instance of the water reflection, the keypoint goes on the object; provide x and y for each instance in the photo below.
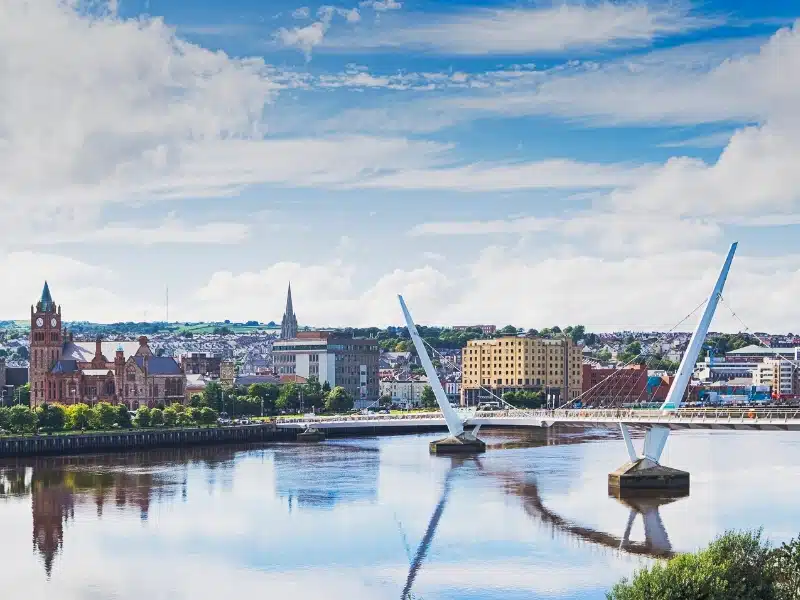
(321, 476)
(530, 518)
(125, 481)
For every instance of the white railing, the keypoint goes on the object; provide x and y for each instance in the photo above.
(594, 415)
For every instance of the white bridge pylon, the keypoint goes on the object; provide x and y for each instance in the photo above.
(454, 424)
(656, 436)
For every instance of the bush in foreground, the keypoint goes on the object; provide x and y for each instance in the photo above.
(738, 565)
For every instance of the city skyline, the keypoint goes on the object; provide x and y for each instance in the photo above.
(493, 162)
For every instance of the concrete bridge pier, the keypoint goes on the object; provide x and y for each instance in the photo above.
(643, 474)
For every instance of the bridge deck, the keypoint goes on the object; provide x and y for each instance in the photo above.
(722, 418)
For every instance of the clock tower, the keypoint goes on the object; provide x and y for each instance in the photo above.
(47, 342)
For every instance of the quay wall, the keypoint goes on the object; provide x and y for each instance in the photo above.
(115, 441)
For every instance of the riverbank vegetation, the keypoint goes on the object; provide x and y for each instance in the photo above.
(57, 418)
(737, 565)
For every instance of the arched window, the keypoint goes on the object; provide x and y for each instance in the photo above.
(110, 387)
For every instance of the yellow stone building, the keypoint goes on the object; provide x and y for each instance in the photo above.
(513, 363)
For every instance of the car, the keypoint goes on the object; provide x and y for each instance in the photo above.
(244, 422)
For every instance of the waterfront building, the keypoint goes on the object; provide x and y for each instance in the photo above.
(407, 392)
(512, 364)
(610, 386)
(781, 375)
(66, 371)
(351, 363)
(289, 321)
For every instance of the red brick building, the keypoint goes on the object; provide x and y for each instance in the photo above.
(609, 387)
(66, 371)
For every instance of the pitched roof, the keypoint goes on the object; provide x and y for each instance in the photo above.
(159, 365)
(65, 366)
(84, 351)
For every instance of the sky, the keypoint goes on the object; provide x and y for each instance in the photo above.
(533, 163)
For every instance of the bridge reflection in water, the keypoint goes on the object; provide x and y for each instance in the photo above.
(656, 542)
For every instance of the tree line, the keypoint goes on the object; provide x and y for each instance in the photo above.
(270, 399)
(51, 418)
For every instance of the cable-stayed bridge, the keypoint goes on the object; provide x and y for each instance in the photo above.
(742, 419)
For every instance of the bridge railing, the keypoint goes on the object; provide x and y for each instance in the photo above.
(651, 416)
(684, 415)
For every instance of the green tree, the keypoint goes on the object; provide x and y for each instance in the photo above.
(52, 417)
(338, 400)
(785, 564)
(212, 395)
(124, 417)
(185, 418)
(735, 565)
(313, 396)
(142, 418)
(428, 398)
(196, 401)
(156, 417)
(267, 393)
(4, 410)
(289, 398)
(102, 416)
(78, 416)
(509, 330)
(326, 388)
(577, 333)
(207, 416)
(170, 416)
(24, 394)
(21, 419)
(604, 355)
(385, 401)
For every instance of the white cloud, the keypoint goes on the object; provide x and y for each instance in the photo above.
(121, 106)
(566, 174)
(604, 233)
(351, 15)
(641, 290)
(756, 173)
(525, 30)
(171, 231)
(381, 5)
(301, 13)
(82, 288)
(309, 37)
(304, 38)
(700, 83)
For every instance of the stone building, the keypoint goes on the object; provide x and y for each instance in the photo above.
(63, 370)
(201, 363)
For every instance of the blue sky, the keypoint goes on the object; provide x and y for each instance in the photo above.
(526, 162)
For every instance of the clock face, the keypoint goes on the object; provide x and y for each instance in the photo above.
(53, 322)
(39, 322)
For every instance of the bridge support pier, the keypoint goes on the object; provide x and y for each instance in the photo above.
(643, 474)
(464, 443)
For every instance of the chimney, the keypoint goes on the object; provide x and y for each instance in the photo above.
(98, 347)
(143, 340)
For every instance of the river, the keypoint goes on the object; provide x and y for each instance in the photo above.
(375, 518)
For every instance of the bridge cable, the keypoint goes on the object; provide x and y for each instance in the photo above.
(795, 363)
(635, 358)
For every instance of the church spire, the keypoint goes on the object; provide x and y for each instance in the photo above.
(289, 321)
(46, 303)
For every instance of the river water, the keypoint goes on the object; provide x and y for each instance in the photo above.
(375, 518)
